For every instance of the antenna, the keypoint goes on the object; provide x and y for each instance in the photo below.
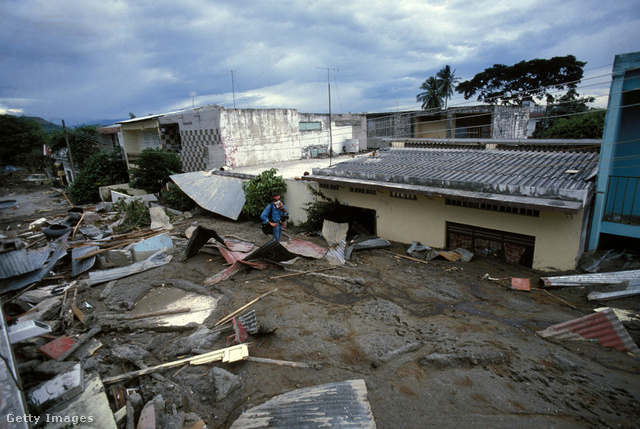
(330, 134)
(193, 94)
(233, 89)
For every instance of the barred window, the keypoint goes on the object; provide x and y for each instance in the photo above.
(362, 191)
(403, 195)
(329, 186)
(493, 207)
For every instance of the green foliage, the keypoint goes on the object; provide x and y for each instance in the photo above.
(135, 215)
(22, 140)
(153, 169)
(258, 191)
(102, 169)
(323, 208)
(83, 141)
(526, 80)
(438, 89)
(586, 126)
(566, 106)
(172, 196)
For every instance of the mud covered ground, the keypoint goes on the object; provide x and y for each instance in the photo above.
(436, 345)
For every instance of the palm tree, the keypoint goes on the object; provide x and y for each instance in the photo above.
(448, 82)
(431, 98)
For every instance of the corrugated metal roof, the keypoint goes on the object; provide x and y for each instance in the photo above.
(217, 193)
(614, 277)
(334, 232)
(337, 405)
(520, 173)
(80, 266)
(304, 248)
(15, 263)
(603, 326)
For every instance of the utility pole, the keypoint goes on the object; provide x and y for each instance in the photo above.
(66, 139)
(330, 133)
(233, 89)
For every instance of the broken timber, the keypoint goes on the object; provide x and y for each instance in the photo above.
(227, 355)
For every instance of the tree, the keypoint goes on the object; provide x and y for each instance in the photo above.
(527, 80)
(447, 80)
(102, 169)
(153, 169)
(569, 104)
(431, 98)
(259, 190)
(83, 141)
(589, 125)
(21, 141)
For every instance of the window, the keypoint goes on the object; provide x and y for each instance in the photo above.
(493, 207)
(329, 186)
(310, 126)
(362, 191)
(403, 195)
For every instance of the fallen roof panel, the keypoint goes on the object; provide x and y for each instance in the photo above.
(614, 277)
(337, 405)
(604, 326)
(218, 194)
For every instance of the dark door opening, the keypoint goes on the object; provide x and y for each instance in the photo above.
(361, 221)
(490, 243)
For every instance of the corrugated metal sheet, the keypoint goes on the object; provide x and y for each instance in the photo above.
(304, 248)
(451, 255)
(272, 250)
(333, 232)
(15, 263)
(80, 266)
(335, 254)
(54, 252)
(336, 405)
(219, 194)
(101, 276)
(614, 277)
(603, 326)
(374, 243)
(518, 173)
(199, 237)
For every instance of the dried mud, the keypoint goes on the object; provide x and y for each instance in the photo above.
(436, 345)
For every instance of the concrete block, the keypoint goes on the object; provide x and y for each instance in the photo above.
(119, 257)
(88, 410)
(145, 248)
(59, 389)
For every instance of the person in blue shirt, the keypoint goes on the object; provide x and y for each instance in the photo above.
(275, 214)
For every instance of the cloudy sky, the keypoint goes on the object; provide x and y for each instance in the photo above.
(90, 60)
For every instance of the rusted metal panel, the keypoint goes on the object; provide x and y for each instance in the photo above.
(337, 405)
(80, 266)
(451, 255)
(219, 194)
(615, 277)
(333, 232)
(305, 248)
(603, 326)
(55, 252)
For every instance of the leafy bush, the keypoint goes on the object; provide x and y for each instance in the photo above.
(102, 169)
(172, 196)
(135, 213)
(258, 191)
(153, 169)
(323, 208)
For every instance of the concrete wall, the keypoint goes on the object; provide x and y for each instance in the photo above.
(259, 136)
(296, 198)
(510, 122)
(557, 235)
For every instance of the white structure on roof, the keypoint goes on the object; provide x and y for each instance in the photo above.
(211, 137)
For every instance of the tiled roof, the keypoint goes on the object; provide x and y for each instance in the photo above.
(555, 175)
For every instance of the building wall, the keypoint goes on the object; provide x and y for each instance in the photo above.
(137, 136)
(510, 122)
(557, 235)
(259, 136)
(200, 140)
(434, 129)
(296, 199)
